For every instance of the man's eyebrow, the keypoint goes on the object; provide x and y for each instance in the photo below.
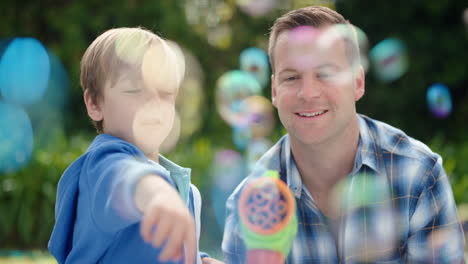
(287, 70)
(327, 65)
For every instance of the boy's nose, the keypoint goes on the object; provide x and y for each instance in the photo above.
(152, 100)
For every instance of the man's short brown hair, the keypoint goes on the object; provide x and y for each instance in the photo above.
(314, 16)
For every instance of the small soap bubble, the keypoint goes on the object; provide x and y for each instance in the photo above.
(256, 8)
(389, 59)
(232, 88)
(255, 61)
(439, 100)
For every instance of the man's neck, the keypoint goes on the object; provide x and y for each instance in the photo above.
(322, 166)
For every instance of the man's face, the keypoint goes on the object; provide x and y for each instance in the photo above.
(314, 86)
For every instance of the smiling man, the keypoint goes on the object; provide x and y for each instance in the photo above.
(365, 191)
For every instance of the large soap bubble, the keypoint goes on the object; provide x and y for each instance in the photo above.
(24, 71)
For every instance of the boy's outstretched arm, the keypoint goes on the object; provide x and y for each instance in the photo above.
(211, 261)
(165, 218)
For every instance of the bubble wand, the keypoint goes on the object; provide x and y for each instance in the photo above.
(268, 223)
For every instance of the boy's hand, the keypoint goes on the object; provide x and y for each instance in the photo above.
(211, 261)
(165, 218)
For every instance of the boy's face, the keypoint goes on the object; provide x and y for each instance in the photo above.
(139, 108)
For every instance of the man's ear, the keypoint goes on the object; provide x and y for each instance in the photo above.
(273, 90)
(93, 108)
(360, 81)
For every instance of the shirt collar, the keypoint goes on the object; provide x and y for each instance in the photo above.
(180, 175)
(366, 154)
(292, 174)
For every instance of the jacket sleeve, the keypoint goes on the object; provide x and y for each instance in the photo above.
(435, 234)
(111, 174)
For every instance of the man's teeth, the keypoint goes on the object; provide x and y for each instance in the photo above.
(312, 114)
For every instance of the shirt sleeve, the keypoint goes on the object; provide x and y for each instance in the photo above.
(435, 234)
(112, 173)
(233, 246)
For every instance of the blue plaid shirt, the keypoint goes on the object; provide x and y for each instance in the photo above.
(412, 220)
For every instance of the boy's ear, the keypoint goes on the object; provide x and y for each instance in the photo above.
(93, 108)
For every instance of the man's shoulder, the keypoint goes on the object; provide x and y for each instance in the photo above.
(392, 140)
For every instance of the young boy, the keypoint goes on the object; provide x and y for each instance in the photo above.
(122, 202)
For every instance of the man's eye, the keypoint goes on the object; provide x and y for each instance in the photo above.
(291, 78)
(325, 75)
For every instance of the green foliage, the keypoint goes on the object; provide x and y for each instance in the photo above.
(454, 159)
(28, 195)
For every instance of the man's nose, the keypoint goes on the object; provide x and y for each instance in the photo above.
(310, 88)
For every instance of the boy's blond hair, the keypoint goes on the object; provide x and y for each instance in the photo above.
(123, 49)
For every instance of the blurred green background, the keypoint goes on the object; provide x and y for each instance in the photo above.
(214, 32)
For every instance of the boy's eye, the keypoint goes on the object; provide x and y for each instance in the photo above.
(165, 94)
(134, 91)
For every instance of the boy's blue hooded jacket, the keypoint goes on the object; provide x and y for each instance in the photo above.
(96, 218)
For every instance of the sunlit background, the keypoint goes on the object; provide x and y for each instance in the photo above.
(415, 55)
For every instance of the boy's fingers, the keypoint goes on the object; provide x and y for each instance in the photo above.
(211, 261)
(162, 231)
(174, 243)
(146, 226)
(190, 247)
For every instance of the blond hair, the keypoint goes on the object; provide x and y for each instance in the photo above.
(121, 49)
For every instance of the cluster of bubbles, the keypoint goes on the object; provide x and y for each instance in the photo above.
(212, 18)
(188, 103)
(251, 117)
(33, 88)
(239, 101)
(388, 60)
